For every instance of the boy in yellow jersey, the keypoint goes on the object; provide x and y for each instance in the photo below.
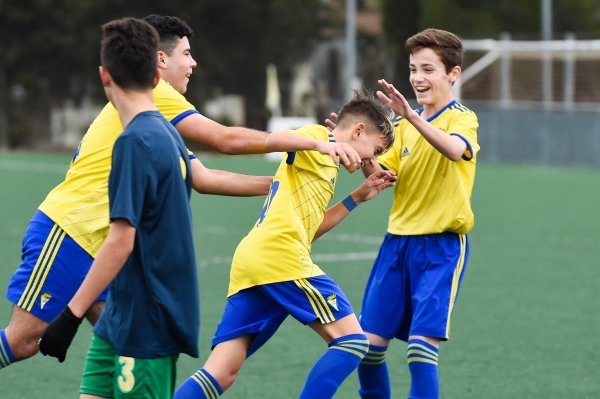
(272, 274)
(66, 233)
(415, 280)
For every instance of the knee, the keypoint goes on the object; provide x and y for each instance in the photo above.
(23, 344)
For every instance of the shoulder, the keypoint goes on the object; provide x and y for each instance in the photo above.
(458, 109)
(315, 131)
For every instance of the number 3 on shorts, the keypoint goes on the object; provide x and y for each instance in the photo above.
(126, 380)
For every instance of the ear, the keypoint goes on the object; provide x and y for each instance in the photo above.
(105, 77)
(162, 59)
(455, 74)
(156, 78)
(359, 129)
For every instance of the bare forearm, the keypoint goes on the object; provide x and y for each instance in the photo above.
(221, 182)
(333, 216)
(368, 170)
(451, 147)
(223, 139)
(106, 266)
(287, 141)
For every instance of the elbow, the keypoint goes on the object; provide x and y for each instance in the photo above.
(455, 157)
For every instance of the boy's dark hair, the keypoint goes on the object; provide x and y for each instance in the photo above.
(128, 52)
(446, 44)
(169, 29)
(365, 106)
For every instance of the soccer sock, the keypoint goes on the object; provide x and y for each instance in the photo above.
(373, 375)
(6, 356)
(423, 364)
(328, 373)
(201, 385)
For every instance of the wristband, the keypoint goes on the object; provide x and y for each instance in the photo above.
(349, 203)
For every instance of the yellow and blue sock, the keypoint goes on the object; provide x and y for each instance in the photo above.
(201, 385)
(6, 356)
(423, 364)
(373, 374)
(328, 373)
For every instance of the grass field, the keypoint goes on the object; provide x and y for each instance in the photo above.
(524, 323)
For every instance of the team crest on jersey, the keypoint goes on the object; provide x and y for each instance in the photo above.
(405, 152)
(44, 299)
(332, 300)
(332, 180)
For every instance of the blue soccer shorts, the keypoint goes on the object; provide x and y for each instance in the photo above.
(260, 310)
(413, 285)
(53, 268)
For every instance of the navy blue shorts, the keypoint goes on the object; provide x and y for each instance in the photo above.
(260, 310)
(413, 285)
(53, 268)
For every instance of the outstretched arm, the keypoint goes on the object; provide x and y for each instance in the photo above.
(451, 147)
(223, 139)
(287, 141)
(221, 182)
(374, 184)
(110, 260)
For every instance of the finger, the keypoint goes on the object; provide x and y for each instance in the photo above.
(334, 116)
(344, 158)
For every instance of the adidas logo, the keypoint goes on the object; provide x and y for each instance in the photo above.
(332, 300)
(332, 180)
(405, 152)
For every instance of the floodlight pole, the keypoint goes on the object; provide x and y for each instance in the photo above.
(546, 6)
(350, 49)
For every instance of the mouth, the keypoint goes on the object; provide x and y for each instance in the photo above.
(421, 89)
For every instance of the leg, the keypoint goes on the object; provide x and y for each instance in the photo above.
(93, 313)
(422, 358)
(219, 371)
(347, 346)
(23, 333)
(373, 374)
(385, 314)
(435, 282)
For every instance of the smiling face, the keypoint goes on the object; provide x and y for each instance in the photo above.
(429, 79)
(176, 68)
(368, 145)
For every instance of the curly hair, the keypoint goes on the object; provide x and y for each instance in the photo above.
(169, 29)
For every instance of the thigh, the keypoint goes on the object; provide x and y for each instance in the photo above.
(311, 299)
(386, 310)
(249, 312)
(145, 378)
(52, 270)
(108, 375)
(437, 268)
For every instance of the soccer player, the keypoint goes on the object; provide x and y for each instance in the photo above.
(152, 310)
(67, 231)
(416, 277)
(272, 274)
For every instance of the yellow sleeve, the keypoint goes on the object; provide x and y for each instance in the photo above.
(391, 159)
(464, 125)
(171, 103)
(308, 159)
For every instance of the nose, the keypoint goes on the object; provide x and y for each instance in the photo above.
(193, 63)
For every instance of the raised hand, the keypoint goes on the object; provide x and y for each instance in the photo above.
(331, 123)
(58, 336)
(374, 184)
(396, 101)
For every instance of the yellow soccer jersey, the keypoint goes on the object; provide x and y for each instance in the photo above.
(278, 247)
(432, 193)
(79, 205)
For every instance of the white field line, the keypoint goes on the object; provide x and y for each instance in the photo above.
(23, 166)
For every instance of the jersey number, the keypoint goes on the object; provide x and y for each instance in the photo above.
(126, 379)
(268, 201)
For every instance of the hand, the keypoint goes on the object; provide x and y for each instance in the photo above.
(395, 101)
(374, 184)
(331, 123)
(348, 155)
(59, 334)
